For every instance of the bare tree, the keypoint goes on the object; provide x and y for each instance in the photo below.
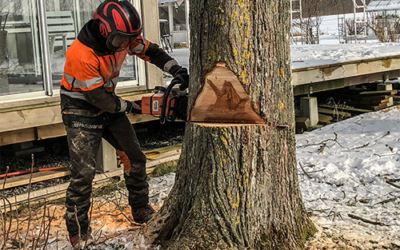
(385, 27)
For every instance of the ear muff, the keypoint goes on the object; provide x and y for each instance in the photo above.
(103, 30)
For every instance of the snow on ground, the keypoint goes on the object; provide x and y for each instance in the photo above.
(329, 24)
(348, 163)
(304, 56)
(348, 176)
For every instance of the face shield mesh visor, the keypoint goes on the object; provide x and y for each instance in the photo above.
(117, 43)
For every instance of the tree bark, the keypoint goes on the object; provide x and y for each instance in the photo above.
(236, 186)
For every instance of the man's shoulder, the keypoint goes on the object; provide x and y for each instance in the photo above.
(82, 53)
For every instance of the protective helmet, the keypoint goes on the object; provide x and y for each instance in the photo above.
(119, 23)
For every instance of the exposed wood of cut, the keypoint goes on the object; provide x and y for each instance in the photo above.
(333, 112)
(57, 192)
(347, 109)
(223, 100)
(380, 92)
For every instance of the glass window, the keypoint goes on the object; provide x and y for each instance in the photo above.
(65, 19)
(163, 11)
(179, 16)
(21, 62)
(20, 58)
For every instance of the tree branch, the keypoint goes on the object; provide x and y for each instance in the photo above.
(366, 221)
(304, 171)
(391, 183)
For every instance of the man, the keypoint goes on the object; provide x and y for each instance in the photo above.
(91, 110)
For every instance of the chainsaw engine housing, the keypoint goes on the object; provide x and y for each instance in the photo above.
(168, 103)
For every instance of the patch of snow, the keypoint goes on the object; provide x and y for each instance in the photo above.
(348, 176)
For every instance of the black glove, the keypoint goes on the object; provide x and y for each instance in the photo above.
(132, 107)
(182, 75)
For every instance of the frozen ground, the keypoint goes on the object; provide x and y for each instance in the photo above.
(346, 166)
(348, 163)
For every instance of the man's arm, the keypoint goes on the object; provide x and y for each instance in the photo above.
(92, 85)
(106, 101)
(152, 53)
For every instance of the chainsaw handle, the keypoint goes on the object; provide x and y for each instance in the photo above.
(160, 88)
(165, 99)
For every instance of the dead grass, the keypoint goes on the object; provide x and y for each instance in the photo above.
(164, 169)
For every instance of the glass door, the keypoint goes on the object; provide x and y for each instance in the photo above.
(65, 19)
(20, 57)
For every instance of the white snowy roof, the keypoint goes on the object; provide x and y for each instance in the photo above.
(380, 5)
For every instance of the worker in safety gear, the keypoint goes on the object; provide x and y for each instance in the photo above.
(91, 110)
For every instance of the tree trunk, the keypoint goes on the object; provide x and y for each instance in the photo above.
(236, 186)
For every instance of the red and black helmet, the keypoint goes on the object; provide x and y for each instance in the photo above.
(118, 18)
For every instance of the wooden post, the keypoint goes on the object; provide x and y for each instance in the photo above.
(106, 158)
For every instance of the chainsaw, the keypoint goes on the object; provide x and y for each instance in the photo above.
(169, 104)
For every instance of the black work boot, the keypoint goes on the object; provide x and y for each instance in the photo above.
(143, 214)
(79, 243)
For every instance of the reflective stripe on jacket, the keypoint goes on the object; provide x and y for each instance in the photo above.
(91, 71)
(85, 70)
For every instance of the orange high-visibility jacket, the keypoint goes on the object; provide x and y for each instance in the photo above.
(91, 71)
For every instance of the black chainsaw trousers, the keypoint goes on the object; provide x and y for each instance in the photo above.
(84, 136)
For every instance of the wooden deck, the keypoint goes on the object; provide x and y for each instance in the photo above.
(39, 118)
(340, 75)
(36, 118)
